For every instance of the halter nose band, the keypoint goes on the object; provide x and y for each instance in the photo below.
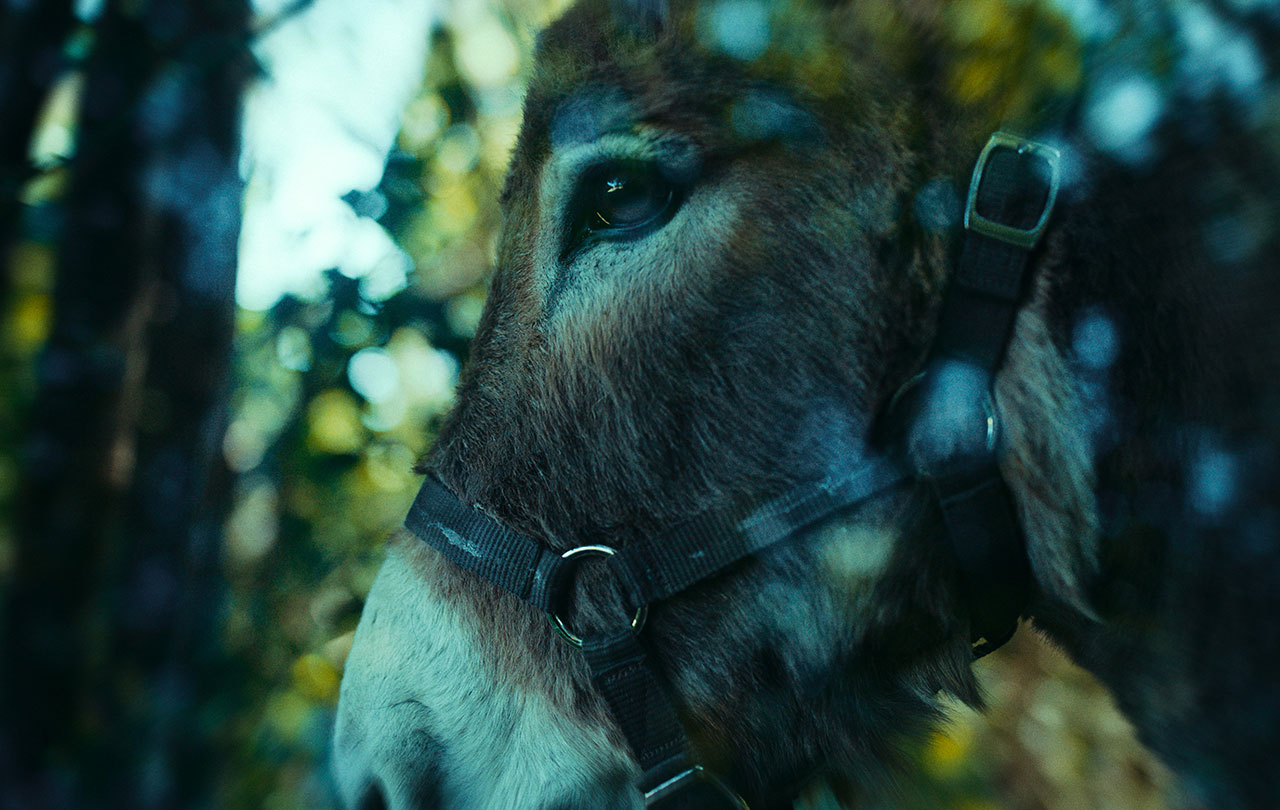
(649, 571)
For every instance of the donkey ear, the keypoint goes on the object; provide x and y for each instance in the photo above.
(640, 17)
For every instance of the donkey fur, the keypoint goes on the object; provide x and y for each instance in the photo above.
(754, 340)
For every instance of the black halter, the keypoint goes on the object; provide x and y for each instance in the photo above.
(950, 438)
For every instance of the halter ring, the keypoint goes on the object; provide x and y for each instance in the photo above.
(697, 773)
(637, 620)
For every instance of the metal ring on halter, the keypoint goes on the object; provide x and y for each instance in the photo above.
(680, 780)
(989, 416)
(637, 621)
(903, 390)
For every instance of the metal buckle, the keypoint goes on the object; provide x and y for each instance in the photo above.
(1022, 237)
(681, 780)
(637, 621)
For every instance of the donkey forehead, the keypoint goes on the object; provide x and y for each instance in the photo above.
(595, 76)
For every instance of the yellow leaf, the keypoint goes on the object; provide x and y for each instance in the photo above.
(333, 421)
(32, 318)
(976, 79)
(287, 714)
(945, 753)
(316, 678)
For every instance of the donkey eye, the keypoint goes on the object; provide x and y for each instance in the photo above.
(627, 197)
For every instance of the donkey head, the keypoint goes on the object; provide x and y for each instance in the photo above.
(724, 244)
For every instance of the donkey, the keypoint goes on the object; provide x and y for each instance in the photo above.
(730, 233)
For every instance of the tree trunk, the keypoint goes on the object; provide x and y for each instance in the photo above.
(110, 630)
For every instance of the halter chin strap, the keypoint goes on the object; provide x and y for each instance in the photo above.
(950, 436)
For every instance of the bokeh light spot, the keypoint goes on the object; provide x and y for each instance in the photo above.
(739, 28)
(1120, 114)
(373, 374)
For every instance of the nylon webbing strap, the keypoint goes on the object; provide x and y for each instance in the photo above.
(663, 566)
(649, 571)
(622, 673)
(981, 519)
(1012, 194)
(484, 546)
(982, 302)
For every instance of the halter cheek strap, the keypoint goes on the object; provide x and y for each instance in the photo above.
(950, 435)
(950, 426)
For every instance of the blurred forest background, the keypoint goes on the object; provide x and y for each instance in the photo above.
(197, 472)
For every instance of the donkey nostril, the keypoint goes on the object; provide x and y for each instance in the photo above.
(373, 798)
